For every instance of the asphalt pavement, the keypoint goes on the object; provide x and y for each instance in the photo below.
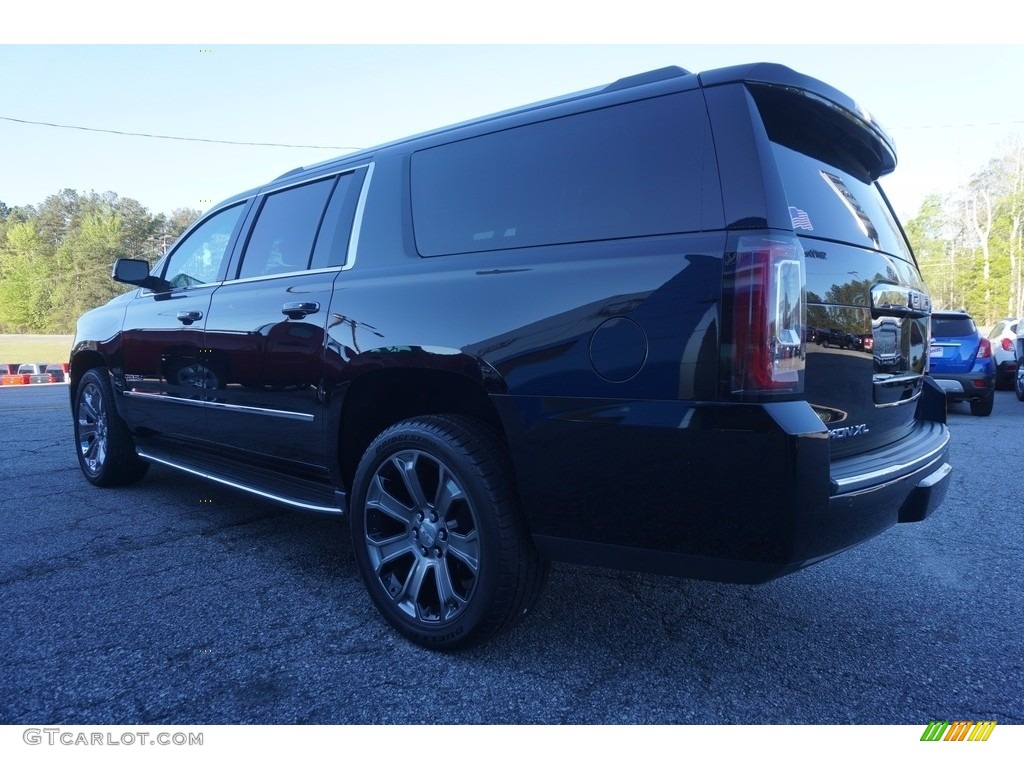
(177, 601)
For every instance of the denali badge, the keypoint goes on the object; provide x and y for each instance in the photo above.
(859, 429)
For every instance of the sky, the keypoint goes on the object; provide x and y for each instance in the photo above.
(950, 108)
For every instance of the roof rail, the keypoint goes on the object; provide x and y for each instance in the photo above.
(665, 73)
(292, 172)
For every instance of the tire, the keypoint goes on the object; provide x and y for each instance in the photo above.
(438, 533)
(1018, 383)
(106, 452)
(983, 407)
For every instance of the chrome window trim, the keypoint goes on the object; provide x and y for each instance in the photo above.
(296, 273)
(270, 189)
(239, 486)
(357, 221)
(248, 409)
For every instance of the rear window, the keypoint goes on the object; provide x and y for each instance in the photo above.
(953, 326)
(625, 171)
(827, 202)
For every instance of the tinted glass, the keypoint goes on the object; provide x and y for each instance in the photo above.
(197, 259)
(623, 171)
(282, 238)
(952, 326)
(332, 242)
(829, 203)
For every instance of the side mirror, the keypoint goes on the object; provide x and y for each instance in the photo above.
(136, 272)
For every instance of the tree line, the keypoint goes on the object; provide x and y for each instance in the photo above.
(970, 242)
(55, 258)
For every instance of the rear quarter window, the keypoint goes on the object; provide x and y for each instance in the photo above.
(624, 171)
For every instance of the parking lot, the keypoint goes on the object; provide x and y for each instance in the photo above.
(177, 601)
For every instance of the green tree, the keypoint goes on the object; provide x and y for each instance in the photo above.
(83, 262)
(25, 279)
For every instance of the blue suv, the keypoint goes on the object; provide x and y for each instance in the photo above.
(961, 361)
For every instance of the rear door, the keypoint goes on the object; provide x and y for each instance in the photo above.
(861, 279)
(820, 158)
(265, 333)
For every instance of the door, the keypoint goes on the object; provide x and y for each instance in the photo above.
(265, 330)
(162, 334)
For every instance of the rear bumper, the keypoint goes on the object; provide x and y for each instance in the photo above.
(966, 386)
(926, 496)
(740, 494)
(1007, 370)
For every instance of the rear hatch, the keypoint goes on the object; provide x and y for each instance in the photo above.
(861, 278)
(955, 344)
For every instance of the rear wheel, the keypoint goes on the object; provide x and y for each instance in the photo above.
(438, 533)
(1018, 384)
(106, 452)
(983, 407)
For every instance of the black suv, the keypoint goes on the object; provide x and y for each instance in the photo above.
(576, 330)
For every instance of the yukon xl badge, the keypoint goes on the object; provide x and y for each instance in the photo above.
(841, 432)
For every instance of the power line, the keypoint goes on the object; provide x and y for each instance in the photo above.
(953, 125)
(175, 138)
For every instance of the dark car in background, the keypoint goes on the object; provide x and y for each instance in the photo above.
(562, 332)
(57, 372)
(1018, 381)
(961, 361)
(835, 337)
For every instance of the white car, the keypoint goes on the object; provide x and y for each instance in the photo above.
(1004, 351)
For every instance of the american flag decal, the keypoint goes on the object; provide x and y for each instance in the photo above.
(800, 218)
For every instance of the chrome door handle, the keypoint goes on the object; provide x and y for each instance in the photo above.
(190, 316)
(296, 310)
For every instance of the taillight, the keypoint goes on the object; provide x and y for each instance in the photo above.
(984, 349)
(764, 302)
(1007, 345)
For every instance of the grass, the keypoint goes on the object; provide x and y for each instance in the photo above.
(34, 349)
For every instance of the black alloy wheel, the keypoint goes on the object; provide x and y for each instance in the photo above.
(438, 533)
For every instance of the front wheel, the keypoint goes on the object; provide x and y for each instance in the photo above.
(106, 452)
(1018, 383)
(438, 534)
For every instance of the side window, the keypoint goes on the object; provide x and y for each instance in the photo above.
(282, 238)
(332, 242)
(630, 170)
(197, 259)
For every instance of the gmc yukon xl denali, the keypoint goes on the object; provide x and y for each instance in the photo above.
(576, 330)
